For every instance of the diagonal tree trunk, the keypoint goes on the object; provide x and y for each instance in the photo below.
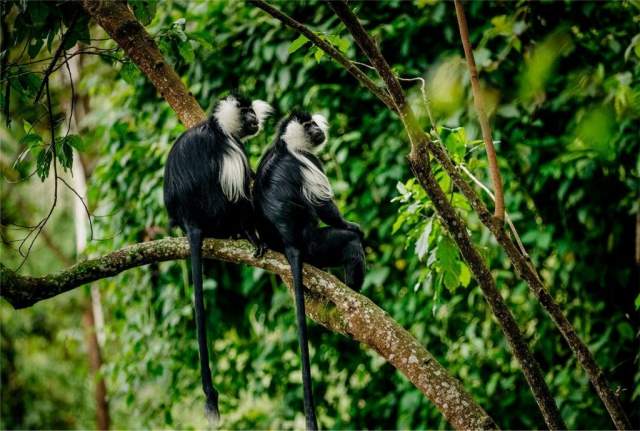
(456, 227)
(92, 317)
(118, 21)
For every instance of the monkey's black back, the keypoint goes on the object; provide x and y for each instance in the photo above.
(283, 213)
(192, 192)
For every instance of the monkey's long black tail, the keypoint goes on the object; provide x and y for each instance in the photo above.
(211, 406)
(295, 261)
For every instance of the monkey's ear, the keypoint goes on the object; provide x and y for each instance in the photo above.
(321, 121)
(262, 110)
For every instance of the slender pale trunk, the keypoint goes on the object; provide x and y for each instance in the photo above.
(93, 319)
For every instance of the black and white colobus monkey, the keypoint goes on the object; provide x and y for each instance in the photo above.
(291, 195)
(207, 193)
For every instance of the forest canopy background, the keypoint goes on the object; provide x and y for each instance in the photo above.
(561, 83)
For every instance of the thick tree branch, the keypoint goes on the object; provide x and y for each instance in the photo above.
(528, 273)
(123, 27)
(494, 171)
(328, 302)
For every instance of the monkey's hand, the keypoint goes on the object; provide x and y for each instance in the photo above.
(354, 227)
(260, 249)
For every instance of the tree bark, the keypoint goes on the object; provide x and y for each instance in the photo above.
(95, 363)
(327, 300)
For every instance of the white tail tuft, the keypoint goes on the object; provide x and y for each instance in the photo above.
(213, 415)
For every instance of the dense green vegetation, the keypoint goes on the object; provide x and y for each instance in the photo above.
(562, 81)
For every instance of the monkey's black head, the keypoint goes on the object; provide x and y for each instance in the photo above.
(240, 117)
(303, 131)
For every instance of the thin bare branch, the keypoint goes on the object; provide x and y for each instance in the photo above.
(40, 226)
(57, 55)
(494, 170)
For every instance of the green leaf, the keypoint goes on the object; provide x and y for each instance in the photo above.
(318, 54)
(456, 143)
(65, 154)
(451, 280)
(34, 47)
(341, 43)
(144, 10)
(29, 82)
(465, 275)
(422, 246)
(129, 73)
(297, 44)
(43, 162)
(39, 12)
(76, 142)
(625, 330)
(78, 33)
(186, 51)
(31, 140)
(447, 254)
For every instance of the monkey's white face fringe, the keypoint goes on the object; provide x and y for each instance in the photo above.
(233, 173)
(315, 184)
(322, 122)
(262, 110)
(228, 115)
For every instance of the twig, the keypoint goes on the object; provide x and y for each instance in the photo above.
(506, 214)
(86, 209)
(56, 55)
(494, 171)
(73, 94)
(44, 221)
